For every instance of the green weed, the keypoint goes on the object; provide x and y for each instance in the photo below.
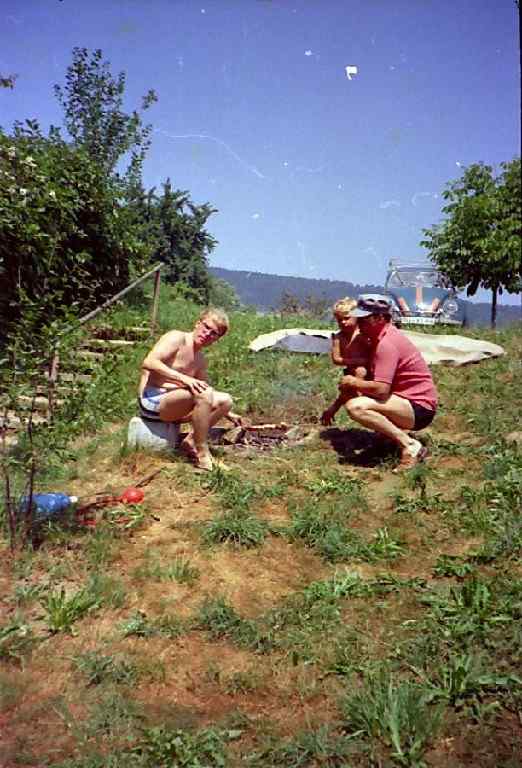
(16, 641)
(63, 611)
(27, 593)
(395, 714)
(98, 668)
(125, 518)
(328, 483)
(462, 677)
(452, 565)
(206, 748)
(182, 571)
(138, 625)
(101, 548)
(106, 590)
(220, 620)
(466, 610)
(242, 682)
(311, 747)
(113, 715)
(170, 626)
(237, 528)
(324, 528)
(179, 569)
(234, 492)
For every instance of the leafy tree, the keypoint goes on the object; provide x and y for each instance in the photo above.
(60, 216)
(290, 304)
(171, 227)
(181, 240)
(311, 305)
(93, 102)
(316, 306)
(479, 242)
(222, 294)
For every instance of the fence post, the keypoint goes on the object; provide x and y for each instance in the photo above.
(155, 301)
(53, 375)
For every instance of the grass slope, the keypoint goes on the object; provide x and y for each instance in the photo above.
(305, 608)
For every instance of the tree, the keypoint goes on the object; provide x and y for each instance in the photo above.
(181, 240)
(289, 304)
(479, 242)
(93, 99)
(60, 217)
(223, 295)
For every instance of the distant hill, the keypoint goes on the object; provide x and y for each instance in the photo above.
(264, 292)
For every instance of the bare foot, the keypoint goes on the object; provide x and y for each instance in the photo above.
(204, 460)
(188, 447)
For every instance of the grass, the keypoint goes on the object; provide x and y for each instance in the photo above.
(16, 641)
(98, 668)
(180, 570)
(394, 714)
(302, 608)
(62, 611)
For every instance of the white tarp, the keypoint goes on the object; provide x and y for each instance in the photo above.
(447, 349)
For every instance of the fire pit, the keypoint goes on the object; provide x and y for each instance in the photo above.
(262, 437)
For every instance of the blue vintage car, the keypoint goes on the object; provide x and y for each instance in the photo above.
(422, 296)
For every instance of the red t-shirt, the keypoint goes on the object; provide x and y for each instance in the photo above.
(397, 361)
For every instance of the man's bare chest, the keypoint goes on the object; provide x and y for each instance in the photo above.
(185, 360)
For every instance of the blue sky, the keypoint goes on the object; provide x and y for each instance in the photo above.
(313, 173)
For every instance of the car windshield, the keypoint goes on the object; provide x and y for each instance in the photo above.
(414, 277)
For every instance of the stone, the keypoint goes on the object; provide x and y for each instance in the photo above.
(294, 433)
(514, 437)
(155, 436)
(233, 436)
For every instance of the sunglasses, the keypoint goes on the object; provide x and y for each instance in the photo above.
(374, 304)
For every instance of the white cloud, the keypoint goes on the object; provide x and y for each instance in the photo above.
(308, 53)
(418, 195)
(390, 204)
(256, 215)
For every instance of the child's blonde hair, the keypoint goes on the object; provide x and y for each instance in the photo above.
(219, 316)
(343, 306)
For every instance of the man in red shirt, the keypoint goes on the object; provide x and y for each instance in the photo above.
(401, 395)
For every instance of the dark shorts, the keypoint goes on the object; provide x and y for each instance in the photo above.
(423, 416)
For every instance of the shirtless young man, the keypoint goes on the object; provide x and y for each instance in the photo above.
(401, 395)
(174, 385)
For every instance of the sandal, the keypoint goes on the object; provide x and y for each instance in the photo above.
(409, 462)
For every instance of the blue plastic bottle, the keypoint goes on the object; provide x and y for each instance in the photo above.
(47, 506)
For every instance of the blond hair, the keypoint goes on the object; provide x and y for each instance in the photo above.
(219, 316)
(342, 306)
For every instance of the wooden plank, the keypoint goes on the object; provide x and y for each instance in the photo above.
(40, 402)
(88, 355)
(108, 344)
(13, 421)
(74, 377)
